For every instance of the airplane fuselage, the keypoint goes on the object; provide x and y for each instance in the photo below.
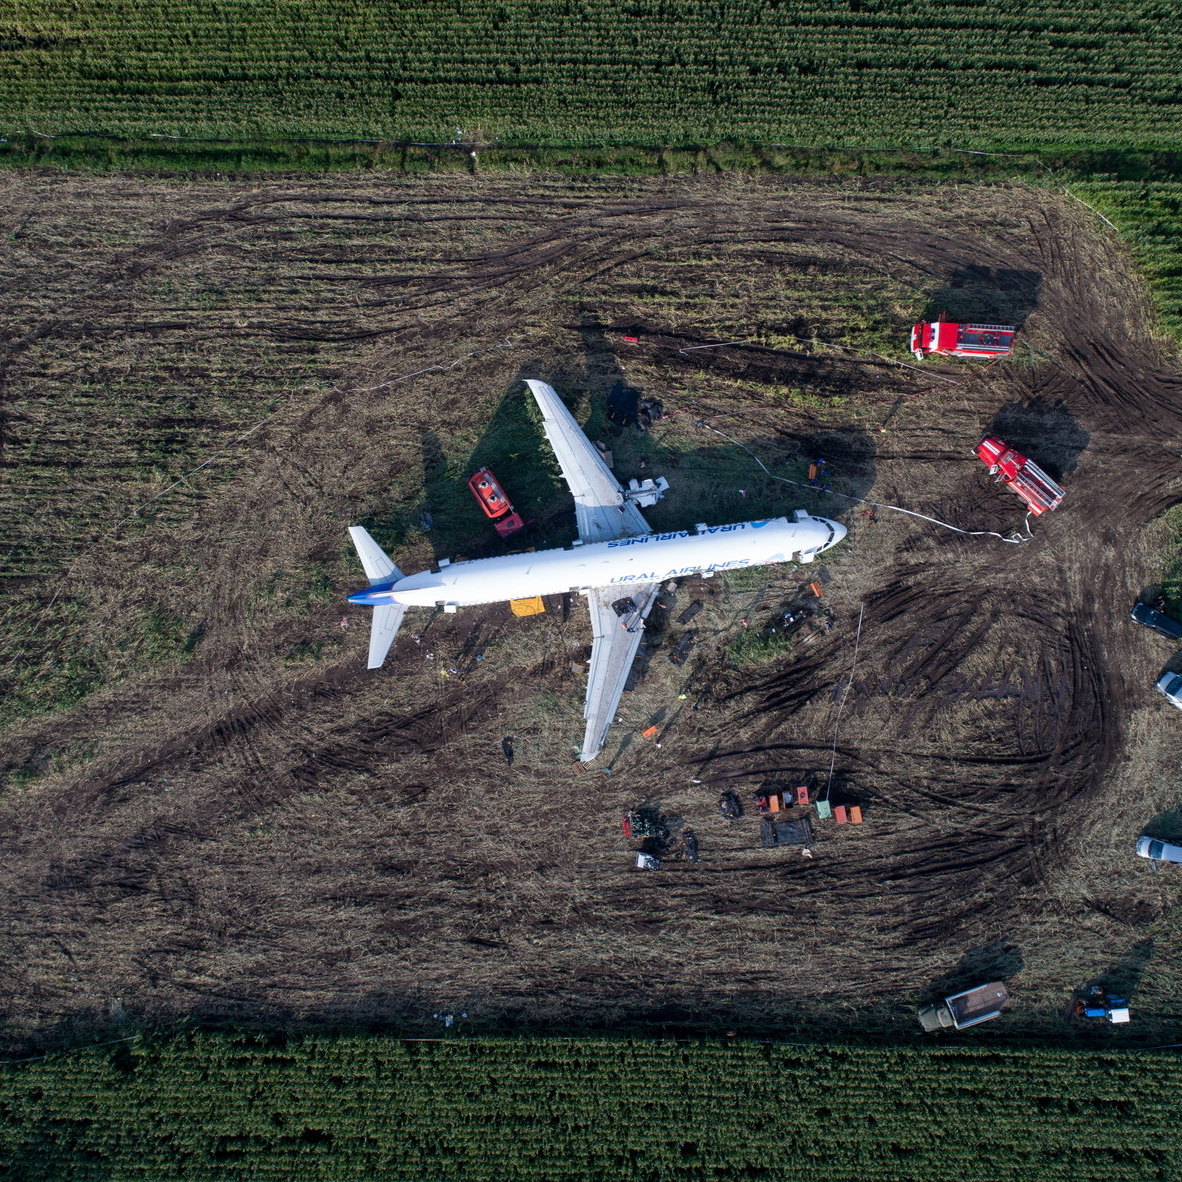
(649, 558)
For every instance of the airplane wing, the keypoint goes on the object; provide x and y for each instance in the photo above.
(612, 652)
(601, 510)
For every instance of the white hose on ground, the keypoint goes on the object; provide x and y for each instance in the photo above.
(1012, 540)
(841, 704)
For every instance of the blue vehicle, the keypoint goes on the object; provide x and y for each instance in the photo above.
(1099, 1005)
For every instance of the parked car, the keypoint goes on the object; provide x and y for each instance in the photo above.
(1161, 624)
(1170, 684)
(1158, 851)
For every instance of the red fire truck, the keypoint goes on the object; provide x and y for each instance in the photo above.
(1024, 476)
(497, 507)
(961, 340)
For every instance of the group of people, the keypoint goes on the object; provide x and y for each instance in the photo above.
(817, 471)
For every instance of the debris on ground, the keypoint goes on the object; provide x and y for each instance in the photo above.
(649, 411)
(623, 402)
(774, 833)
(687, 846)
(681, 651)
(648, 822)
(730, 806)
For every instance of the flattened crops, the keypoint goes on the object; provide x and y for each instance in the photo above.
(230, 818)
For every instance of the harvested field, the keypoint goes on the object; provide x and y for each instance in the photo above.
(225, 817)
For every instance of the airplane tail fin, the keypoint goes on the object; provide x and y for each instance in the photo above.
(387, 618)
(379, 568)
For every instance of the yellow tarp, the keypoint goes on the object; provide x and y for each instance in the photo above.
(527, 607)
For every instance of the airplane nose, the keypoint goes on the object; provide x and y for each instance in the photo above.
(839, 532)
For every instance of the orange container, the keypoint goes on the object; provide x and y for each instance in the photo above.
(855, 815)
(816, 589)
(839, 814)
(802, 795)
(649, 731)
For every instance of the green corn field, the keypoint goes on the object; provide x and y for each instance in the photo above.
(216, 1106)
(856, 72)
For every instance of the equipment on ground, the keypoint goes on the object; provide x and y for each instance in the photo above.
(687, 846)
(1099, 1004)
(647, 821)
(773, 832)
(1024, 476)
(961, 340)
(681, 651)
(730, 806)
(496, 505)
(962, 1010)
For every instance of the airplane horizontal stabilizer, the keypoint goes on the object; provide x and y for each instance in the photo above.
(386, 622)
(378, 566)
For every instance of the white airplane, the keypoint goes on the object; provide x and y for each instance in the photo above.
(618, 563)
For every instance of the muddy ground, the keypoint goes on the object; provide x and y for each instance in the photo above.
(214, 812)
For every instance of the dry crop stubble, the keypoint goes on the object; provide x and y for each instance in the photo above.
(363, 831)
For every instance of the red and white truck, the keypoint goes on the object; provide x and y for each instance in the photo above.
(496, 505)
(961, 340)
(1024, 476)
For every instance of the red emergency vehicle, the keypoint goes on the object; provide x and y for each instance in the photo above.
(962, 340)
(1024, 476)
(497, 507)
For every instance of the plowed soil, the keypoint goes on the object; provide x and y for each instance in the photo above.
(236, 821)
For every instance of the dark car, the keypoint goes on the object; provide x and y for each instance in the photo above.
(1152, 618)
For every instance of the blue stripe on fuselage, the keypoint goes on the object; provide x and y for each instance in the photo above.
(377, 596)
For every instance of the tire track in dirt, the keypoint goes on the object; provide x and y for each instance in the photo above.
(985, 710)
